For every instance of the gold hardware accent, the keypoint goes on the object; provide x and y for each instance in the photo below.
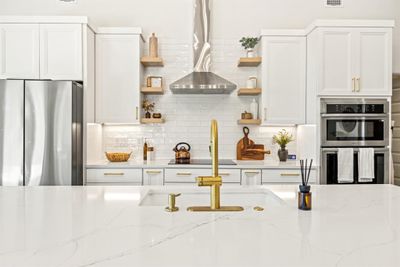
(358, 85)
(225, 173)
(265, 114)
(114, 173)
(252, 172)
(137, 113)
(171, 203)
(354, 84)
(153, 172)
(214, 181)
(257, 208)
(184, 173)
(290, 174)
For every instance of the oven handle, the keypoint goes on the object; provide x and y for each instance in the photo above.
(355, 116)
(356, 149)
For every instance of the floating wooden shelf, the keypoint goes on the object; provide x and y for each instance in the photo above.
(152, 61)
(249, 122)
(151, 120)
(249, 61)
(152, 90)
(247, 91)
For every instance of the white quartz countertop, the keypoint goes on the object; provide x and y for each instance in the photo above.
(105, 226)
(241, 164)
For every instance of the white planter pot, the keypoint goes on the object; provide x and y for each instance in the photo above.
(250, 53)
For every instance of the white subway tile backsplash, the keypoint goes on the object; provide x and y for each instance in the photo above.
(188, 116)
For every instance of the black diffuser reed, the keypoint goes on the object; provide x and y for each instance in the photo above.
(304, 196)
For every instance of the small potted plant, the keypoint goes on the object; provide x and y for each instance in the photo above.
(282, 139)
(148, 107)
(249, 43)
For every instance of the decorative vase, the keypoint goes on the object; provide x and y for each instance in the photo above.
(153, 46)
(250, 52)
(283, 154)
(147, 115)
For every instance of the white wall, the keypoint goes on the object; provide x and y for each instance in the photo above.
(231, 18)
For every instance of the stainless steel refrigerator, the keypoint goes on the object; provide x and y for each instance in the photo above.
(41, 132)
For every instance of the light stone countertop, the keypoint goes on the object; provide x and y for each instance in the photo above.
(105, 226)
(241, 164)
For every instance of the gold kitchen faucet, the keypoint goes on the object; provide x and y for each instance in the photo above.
(214, 181)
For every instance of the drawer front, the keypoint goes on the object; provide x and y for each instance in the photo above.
(114, 176)
(291, 176)
(251, 177)
(189, 175)
(153, 177)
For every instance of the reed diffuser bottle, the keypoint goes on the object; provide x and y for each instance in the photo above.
(304, 195)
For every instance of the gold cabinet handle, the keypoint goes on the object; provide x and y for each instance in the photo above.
(252, 172)
(358, 84)
(290, 174)
(354, 84)
(137, 113)
(184, 173)
(114, 173)
(265, 114)
(153, 172)
(224, 173)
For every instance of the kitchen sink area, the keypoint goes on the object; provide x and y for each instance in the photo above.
(247, 197)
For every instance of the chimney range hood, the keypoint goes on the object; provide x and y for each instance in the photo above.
(201, 80)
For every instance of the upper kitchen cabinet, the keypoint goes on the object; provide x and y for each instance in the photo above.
(61, 51)
(42, 47)
(118, 75)
(283, 79)
(351, 58)
(19, 51)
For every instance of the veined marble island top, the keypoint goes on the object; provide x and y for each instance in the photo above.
(107, 226)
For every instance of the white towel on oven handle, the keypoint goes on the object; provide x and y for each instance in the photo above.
(366, 165)
(345, 165)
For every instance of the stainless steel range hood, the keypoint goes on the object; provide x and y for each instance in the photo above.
(201, 80)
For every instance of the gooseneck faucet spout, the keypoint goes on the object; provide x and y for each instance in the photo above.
(214, 181)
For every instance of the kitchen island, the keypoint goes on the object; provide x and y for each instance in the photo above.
(117, 226)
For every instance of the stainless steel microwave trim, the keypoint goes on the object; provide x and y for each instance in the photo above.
(201, 80)
(339, 101)
(325, 151)
(362, 143)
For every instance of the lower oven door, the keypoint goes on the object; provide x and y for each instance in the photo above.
(329, 168)
(355, 131)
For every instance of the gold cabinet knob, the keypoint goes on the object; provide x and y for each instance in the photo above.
(172, 202)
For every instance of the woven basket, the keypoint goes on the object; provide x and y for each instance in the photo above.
(118, 157)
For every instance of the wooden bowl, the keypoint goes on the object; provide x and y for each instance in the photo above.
(118, 156)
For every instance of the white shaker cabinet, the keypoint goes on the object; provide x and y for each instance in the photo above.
(118, 78)
(153, 176)
(19, 51)
(61, 52)
(283, 79)
(352, 61)
(251, 177)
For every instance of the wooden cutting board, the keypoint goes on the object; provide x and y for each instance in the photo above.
(246, 149)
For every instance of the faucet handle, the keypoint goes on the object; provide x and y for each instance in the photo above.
(171, 203)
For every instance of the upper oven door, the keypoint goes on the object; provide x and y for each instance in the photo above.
(348, 130)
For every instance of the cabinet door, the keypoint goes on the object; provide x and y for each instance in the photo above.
(114, 176)
(118, 79)
(251, 177)
(284, 80)
(61, 52)
(337, 61)
(19, 51)
(153, 177)
(286, 176)
(374, 62)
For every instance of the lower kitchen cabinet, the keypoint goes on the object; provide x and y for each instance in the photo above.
(153, 177)
(285, 176)
(114, 176)
(251, 177)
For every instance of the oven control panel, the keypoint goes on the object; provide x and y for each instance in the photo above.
(355, 108)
